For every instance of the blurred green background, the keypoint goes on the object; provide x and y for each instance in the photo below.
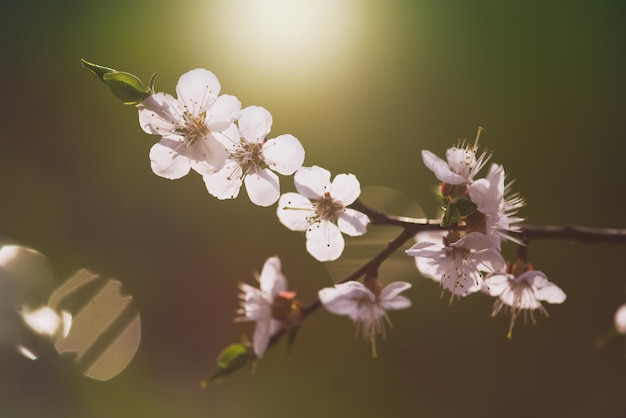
(365, 85)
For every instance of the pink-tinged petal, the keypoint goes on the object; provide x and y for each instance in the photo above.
(283, 154)
(158, 114)
(167, 162)
(396, 303)
(393, 289)
(426, 249)
(441, 168)
(551, 293)
(488, 193)
(324, 241)
(262, 186)
(435, 237)
(255, 123)
(223, 113)
(207, 155)
(197, 89)
(352, 222)
(463, 285)
(474, 241)
(430, 268)
(497, 284)
(272, 280)
(490, 261)
(294, 211)
(225, 183)
(344, 298)
(312, 182)
(262, 335)
(229, 138)
(345, 188)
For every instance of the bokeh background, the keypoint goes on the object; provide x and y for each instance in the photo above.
(365, 85)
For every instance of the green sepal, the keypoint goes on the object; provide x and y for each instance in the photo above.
(125, 86)
(98, 70)
(231, 359)
(458, 208)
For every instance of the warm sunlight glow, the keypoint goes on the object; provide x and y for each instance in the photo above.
(286, 38)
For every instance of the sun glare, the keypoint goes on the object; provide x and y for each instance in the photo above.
(287, 38)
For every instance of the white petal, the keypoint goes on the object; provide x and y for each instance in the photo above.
(390, 296)
(312, 182)
(490, 261)
(284, 154)
(225, 183)
(496, 284)
(166, 162)
(159, 114)
(488, 193)
(207, 155)
(324, 241)
(344, 298)
(430, 268)
(426, 249)
(441, 168)
(345, 188)
(224, 112)
(474, 241)
(352, 222)
(229, 137)
(255, 123)
(551, 293)
(197, 89)
(272, 280)
(262, 186)
(294, 211)
(262, 334)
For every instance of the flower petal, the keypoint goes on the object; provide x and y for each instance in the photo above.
(271, 279)
(166, 162)
(158, 114)
(262, 335)
(225, 183)
(262, 186)
(284, 154)
(255, 123)
(345, 188)
(197, 89)
(352, 222)
(344, 298)
(312, 182)
(207, 155)
(294, 211)
(224, 112)
(441, 168)
(324, 241)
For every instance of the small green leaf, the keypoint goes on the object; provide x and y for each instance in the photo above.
(458, 208)
(465, 206)
(452, 215)
(98, 70)
(151, 82)
(126, 87)
(231, 359)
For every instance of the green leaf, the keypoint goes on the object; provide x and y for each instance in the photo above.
(126, 87)
(458, 208)
(231, 359)
(465, 206)
(98, 70)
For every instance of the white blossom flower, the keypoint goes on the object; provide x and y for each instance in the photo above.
(252, 158)
(522, 293)
(366, 308)
(256, 304)
(187, 125)
(620, 319)
(320, 209)
(461, 165)
(499, 205)
(457, 265)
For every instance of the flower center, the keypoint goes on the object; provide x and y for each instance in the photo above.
(248, 154)
(326, 207)
(194, 128)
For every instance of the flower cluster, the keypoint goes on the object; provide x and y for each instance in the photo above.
(212, 135)
(480, 213)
